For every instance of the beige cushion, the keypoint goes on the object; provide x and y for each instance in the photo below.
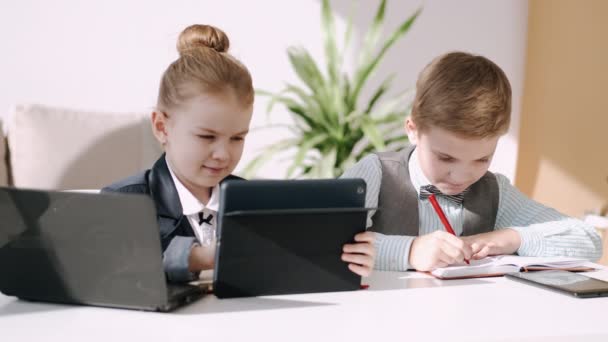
(54, 148)
(3, 161)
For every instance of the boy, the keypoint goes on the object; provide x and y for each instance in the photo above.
(461, 108)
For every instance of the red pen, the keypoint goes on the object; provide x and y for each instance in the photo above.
(443, 219)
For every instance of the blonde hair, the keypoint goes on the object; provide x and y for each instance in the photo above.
(204, 66)
(464, 94)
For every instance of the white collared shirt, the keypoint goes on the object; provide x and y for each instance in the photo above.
(191, 206)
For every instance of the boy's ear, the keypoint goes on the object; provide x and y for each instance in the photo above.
(411, 130)
(159, 126)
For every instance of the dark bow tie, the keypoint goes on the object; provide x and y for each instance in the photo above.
(202, 220)
(428, 190)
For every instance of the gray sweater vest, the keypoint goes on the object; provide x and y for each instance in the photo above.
(398, 200)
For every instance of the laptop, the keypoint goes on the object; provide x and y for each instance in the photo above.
(285, 237)
(84, 248)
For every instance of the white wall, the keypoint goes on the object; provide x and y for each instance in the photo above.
(109, 55)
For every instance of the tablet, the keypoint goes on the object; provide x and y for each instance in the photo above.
(575, 284)
(286, 236)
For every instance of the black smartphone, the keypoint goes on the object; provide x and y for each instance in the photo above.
(575, 284)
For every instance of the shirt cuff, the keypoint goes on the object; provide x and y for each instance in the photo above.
(393, 252)
(175, 259)
(532, 242)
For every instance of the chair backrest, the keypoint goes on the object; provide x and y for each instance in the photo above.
(55, 148)
(3, 156)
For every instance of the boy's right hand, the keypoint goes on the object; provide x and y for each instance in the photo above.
(438, 249)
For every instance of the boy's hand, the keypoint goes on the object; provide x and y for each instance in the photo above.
(498, 242)
(438, 249)
(360, 255)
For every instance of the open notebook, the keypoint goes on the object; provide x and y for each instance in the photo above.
(500, 265)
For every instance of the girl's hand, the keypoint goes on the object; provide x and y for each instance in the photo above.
(201, 258)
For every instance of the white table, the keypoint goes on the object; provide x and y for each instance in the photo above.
(396, 306)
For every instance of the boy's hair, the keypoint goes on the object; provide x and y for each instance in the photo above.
(464, 94)
(204, 66)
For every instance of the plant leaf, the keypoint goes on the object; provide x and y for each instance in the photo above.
(372, 134)
(331, 50)
(269, 152)
(304, 148)
(325, 167)
(373, 34)
(379, 92)
(313, 109)
(390, 106)
(306, 69)
(348, 33)
(309, 73)
(365, 70)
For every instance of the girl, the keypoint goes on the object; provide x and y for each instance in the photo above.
(202, 116)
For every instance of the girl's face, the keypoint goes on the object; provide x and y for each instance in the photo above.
(449, 161)
(203, 138)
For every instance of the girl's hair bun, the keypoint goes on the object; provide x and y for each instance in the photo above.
(202, 36)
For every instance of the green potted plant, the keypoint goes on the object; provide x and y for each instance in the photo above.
(333, 127)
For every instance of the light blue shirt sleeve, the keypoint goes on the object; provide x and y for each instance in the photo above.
(543, 230)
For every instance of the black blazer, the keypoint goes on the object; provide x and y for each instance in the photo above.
(158, 184)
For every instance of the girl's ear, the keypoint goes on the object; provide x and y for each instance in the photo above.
(411, 130)
(159, 126)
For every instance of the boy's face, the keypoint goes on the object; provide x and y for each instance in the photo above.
(449, 161)
(203, 138)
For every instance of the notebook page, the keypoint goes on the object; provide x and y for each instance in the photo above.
(489, 265)
(507, 263)
(557, 262)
